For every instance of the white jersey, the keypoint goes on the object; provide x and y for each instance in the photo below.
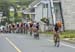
(34, 24)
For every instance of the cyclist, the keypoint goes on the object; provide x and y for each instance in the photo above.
(17, 28)
(35, 30)
(31, 25)
(9, 28)
(26, 28)
(57, 33)
(13, 28)
(37, 26)
(21, 27)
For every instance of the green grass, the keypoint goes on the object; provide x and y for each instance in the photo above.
(68, 34)
(46, 33)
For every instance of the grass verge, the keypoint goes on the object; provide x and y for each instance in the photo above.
(68, 34)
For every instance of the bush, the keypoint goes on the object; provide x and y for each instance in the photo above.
(43, 20)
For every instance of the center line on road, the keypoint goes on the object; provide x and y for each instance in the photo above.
(63, 44)
(18, 50)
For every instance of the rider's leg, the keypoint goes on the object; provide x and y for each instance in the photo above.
(57, 40)
(54, 37)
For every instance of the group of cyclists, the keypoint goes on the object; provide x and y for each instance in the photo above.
(22, 27)
(33, 28)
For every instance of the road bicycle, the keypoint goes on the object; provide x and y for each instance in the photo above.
(57, 39)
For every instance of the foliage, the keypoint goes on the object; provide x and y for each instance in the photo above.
(20, 2)
(4, 7)
(18, 20)
(68, 34)
(43, 20)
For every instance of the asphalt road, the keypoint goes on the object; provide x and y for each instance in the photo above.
(26, 43)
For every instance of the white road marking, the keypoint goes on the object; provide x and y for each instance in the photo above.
(63, 44)
(18, 50)
(67, 45)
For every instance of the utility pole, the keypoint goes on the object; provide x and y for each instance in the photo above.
(52, 11)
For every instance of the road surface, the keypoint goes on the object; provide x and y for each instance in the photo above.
(26, 43)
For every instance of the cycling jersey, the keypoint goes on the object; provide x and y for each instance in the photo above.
(13, 26)
(21, 24)
(17, 25)
(37, 26)
(31, 24)
(26, 25)
(56, 28)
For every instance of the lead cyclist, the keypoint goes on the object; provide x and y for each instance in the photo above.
(56, 36)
